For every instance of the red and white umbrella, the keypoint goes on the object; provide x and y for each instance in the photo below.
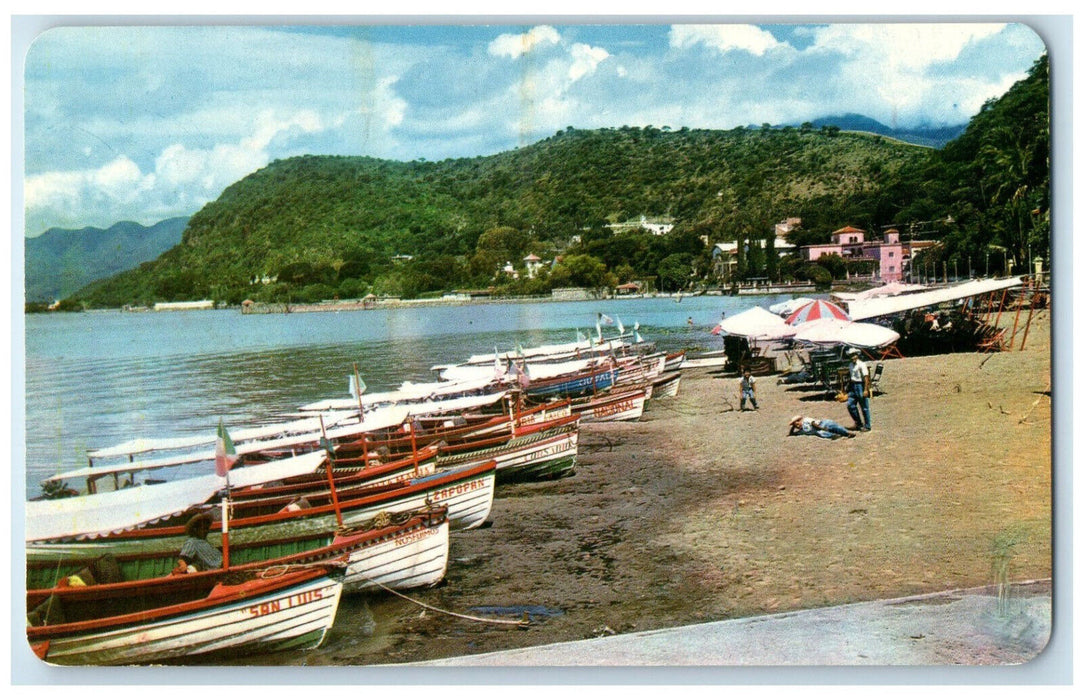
(815, 311)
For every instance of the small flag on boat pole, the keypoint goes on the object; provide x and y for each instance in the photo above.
(225, 453)
(359, 386)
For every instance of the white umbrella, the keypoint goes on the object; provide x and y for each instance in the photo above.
(832, 331)
(758, 323)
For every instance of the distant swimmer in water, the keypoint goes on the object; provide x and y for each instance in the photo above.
(690, 321)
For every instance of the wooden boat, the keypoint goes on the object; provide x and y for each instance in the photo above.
(532, 452)
(714, 358)
(109, 511)
(473, 427)
(214, 612)
(666, 385)
(590, 381)
(534, 456)
(466, 491)
(395, 551)
(674, 361)
(138, 459)
(616, 405)
(623, 344)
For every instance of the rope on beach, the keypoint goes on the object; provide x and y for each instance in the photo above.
(1035, 403)
(609, 444)
(523, 623)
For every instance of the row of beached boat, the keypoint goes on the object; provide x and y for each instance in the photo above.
(349, 495)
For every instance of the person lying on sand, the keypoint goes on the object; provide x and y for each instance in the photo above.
(823, 427)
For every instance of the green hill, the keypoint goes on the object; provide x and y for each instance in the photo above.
(325, 220)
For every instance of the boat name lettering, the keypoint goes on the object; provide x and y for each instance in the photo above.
(414, 537)
(614, 408)
(551, 450)
(293, 601)
(459, 489)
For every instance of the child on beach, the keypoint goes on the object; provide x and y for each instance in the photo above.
(748, 389)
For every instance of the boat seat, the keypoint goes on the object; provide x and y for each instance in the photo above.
(107, 570)
(48, 612)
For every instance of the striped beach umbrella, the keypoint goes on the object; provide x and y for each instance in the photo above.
(816, 310)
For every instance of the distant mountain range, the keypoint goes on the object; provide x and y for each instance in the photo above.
(60, 261)
(934, 137)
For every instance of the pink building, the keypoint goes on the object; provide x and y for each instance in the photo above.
(850, 243)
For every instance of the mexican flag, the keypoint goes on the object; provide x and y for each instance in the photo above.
(225, 453)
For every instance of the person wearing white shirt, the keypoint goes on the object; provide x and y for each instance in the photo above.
(859, 392)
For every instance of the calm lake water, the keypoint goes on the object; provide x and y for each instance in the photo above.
(99, 379)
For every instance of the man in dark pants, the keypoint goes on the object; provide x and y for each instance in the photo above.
(859, 392)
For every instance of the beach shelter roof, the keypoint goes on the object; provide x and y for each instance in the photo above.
(889, 289)
(831, 331)
(758, 323)
(815, 310)
(884, 306)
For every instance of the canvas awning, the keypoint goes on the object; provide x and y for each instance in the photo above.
(885, 306)
(113, 511)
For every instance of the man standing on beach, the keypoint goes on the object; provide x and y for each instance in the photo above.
(748, 389)
(859, 392)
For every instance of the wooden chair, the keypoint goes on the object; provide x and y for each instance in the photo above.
(875, 379)
(994, 342)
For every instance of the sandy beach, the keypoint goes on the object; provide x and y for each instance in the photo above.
(700, 512)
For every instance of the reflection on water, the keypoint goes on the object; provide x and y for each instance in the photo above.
(98, 379)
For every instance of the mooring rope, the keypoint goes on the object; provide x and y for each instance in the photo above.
(523, 622)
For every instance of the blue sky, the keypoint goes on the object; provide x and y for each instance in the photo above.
(143, 123)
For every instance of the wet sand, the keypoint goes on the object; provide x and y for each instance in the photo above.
(700, 512)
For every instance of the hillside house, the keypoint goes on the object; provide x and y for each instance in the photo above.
(850, 243)
(724, 256)
(533, 263)
(657, 227)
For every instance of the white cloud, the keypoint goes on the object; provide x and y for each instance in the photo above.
(202, 108)
(515, 45)
(724, 37)
(888, 70)
(585, 59)
(183, 177)
(901, 47)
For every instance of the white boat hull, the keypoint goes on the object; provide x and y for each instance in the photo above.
(545, 457)
(413, 560)
(628, 407)
(295, 618)
(469, 502)
(667, 388)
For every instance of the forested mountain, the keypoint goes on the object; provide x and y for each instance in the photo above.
(935, 137)
(317, 227)
(61, 261)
